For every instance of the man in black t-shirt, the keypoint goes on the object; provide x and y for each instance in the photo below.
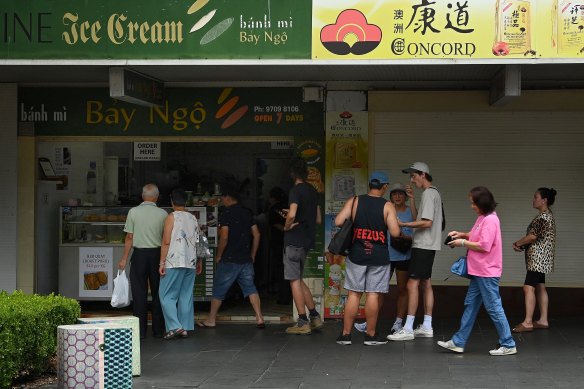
(278, 201)
(300, 230)
(239, 238)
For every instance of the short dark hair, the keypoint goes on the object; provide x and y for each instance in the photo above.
(178, 197)
(483, 199)
(428, 176)
(549, 194)
(299, 168)
(232, 192)
(278, 194)
(375, 184)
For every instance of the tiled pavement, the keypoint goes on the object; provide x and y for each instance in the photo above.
(241, 356)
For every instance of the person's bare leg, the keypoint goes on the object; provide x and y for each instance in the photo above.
(372, 306)
(308, 299)
(402, 296)
(297, 287)
(413, 296)
(351, 310)
(428, 297)
(543, 301)
(210, 321)
(529, 293)
(256, 304)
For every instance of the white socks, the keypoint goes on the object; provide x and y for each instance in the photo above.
(397, 324)
(427, 322)
(409, 326)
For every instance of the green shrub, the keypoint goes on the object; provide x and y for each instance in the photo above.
(28, 331)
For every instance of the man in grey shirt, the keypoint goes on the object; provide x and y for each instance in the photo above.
(427, 240)
(144, 228)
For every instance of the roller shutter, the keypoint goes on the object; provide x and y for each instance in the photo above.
(512, 152)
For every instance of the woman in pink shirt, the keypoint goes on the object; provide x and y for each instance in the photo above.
(485, 265)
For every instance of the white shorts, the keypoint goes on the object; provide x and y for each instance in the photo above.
(360, 278)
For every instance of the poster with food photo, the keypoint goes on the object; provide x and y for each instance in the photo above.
(95, 271)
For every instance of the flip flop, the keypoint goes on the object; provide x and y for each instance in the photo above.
(521, 328)
(184, 334)
(261, 325)
(540, 326)
(202, 324)
(173, 334)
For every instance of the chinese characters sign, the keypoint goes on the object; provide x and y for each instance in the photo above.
(457, 29)
(347, 155)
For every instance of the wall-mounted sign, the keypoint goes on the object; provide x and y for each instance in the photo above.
(184, 112)
(135, 88)
(431, 29)
(161, 29)
(147, 151)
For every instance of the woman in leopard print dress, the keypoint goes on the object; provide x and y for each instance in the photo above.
(540, 245)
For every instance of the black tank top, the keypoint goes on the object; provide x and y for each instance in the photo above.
(369, 233)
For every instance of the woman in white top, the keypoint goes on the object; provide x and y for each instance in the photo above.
(178, 261)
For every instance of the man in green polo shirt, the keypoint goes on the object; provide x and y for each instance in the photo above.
(144, 228)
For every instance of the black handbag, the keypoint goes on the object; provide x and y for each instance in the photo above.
(342, 241)
(401, 244)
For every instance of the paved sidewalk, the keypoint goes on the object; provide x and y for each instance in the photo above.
(241, 356)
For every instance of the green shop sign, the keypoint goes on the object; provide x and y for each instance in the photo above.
(184, 112)
(155, 29)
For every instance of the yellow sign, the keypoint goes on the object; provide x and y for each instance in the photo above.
(452, 29)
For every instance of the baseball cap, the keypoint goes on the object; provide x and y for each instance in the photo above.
(417, 166)
(397, 187)
(380, 177)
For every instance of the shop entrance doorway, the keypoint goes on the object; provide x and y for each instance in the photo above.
(273, 183)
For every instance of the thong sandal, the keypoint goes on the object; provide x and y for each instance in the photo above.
(540, 326)
(173, 333)
(201, 324)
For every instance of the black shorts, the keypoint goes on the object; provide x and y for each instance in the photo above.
(421, 263)
(400, 265)
(532, 278)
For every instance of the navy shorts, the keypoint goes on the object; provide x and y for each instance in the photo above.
(227, 273)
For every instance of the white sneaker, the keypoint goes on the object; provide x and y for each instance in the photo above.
(423, 332)
(402, 334)
(451, 346)
(361, 327)
(501, 350)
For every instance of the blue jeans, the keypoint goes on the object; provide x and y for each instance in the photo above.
(484, 290)
(226, 273)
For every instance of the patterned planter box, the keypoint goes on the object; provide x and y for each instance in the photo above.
(94, 356)
(126, 321)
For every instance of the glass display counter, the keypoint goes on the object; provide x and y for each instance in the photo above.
(91, 243)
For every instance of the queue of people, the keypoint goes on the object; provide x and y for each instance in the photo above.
(389, 237)
(413, 265)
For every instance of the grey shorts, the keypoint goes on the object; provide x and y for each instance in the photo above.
(360, 278)
(294, 259)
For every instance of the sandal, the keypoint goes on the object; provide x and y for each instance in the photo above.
(173, 333)
(521, 328)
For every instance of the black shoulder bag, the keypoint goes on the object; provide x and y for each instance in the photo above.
(342, 241)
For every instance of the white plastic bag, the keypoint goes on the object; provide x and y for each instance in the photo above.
(121, 293)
